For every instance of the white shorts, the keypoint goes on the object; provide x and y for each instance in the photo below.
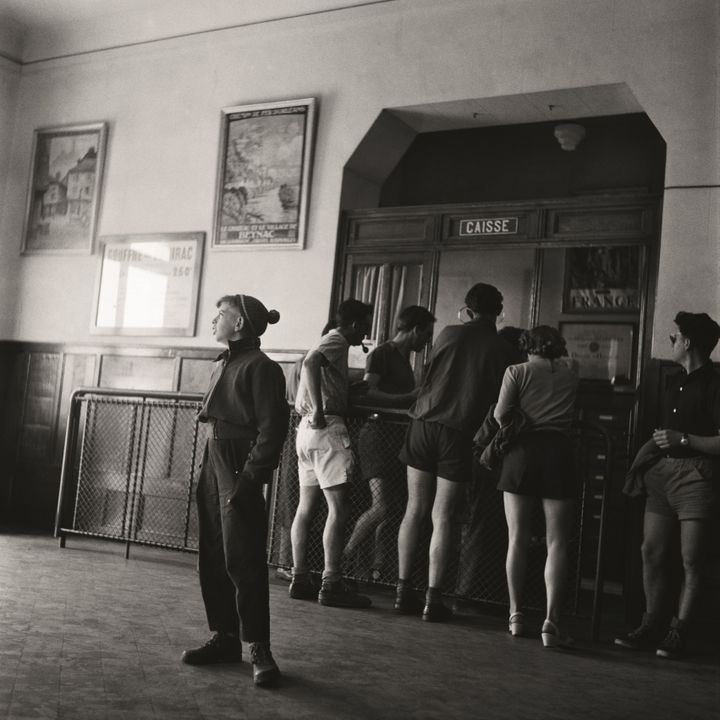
(324, 454)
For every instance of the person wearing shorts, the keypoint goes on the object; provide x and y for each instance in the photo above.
(466, 367)
(391, 383)
(680, 486)
(325, 460)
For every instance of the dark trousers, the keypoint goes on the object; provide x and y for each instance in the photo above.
(232, 560)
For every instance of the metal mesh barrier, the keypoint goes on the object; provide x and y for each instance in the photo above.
(477, 567)
(131, 467)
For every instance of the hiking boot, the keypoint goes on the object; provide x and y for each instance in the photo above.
(334, 593)
(265, 669)
(218, 649)
(407, 602)
(644, 637)
(302, 589)
(673, 646)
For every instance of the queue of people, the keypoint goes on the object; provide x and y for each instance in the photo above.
(512, 400)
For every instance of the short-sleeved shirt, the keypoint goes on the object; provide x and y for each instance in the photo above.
(466, 368)
(392, 367)
(545, 391)
(692, 405)
(334, 383)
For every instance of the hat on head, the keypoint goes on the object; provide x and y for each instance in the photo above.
(255, 314)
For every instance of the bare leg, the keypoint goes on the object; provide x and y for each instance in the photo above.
(518, 513)
(421, 489)
(693, 541)
(372, 518)
(337, 498)
(658, 532)
(446, 497)
(559, 516)
(309, 496)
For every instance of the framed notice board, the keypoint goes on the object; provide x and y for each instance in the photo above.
(148, 284)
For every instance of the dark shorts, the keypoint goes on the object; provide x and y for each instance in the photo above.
(681, 487)
(438, 449)
(540, 464)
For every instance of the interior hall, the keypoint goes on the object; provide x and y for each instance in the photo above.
(165, 163)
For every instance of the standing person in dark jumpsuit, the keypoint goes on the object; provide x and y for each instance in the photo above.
(247, 416)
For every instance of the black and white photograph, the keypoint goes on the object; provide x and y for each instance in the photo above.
(359, 359)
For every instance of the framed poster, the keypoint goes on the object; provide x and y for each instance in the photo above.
(64, 191)
(148, 284)
(263, 179)
(601, 351)
(602, 279)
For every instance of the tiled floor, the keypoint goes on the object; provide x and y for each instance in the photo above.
(86, 634)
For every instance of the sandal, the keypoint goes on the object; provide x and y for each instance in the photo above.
(552, 638)
(516, 624)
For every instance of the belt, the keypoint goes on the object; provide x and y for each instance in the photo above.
(222, 430)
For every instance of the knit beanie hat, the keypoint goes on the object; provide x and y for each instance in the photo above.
(255, 314)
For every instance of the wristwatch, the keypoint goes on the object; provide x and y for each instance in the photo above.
(684, 440)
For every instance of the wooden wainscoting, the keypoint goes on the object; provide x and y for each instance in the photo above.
(36, 384)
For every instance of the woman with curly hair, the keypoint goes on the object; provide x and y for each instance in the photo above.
(536, 466)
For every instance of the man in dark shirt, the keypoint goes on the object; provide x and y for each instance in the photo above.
(466, 368)
(247, 416)
(680, 484)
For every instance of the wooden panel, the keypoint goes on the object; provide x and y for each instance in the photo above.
(78, 371)
(381, 232)
(38, 420)
(195, 375)
(137, 373)
(599, 224)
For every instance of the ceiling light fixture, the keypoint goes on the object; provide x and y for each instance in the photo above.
(569, 135)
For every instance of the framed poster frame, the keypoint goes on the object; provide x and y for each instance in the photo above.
(64, 189)
(264, 173)
(148, 284)
(602, 279)
(602, 351)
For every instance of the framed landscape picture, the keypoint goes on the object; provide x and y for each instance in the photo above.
(64, 191)
(264, 172)
(602, 279)
(148, 284)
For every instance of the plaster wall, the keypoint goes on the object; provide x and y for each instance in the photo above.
(163, 102)
(9, 256)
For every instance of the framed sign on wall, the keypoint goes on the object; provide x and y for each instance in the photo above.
(603, 279)
(64, 190)
(601, 351)
(263, 179)
(148, 284)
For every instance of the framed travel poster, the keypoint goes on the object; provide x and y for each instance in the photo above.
(263, 181)
(602, 279)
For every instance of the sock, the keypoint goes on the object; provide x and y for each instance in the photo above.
(331, 575)
(300, 575)
(403, 586)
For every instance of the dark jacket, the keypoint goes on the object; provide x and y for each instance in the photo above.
(246, 400)
(646, 457)
(492, 441)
